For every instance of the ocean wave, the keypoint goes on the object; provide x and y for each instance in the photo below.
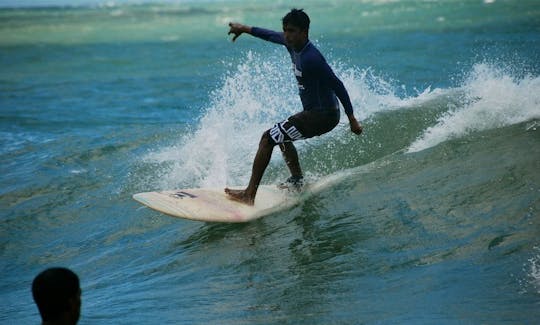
(257, 92)
(253, 95)
(495, 99)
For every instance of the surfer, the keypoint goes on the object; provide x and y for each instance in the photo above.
(318, 87)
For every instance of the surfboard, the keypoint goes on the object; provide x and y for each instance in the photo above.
(213, 205)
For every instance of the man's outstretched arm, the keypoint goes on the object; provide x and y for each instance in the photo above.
(238, 29)
(265, 34)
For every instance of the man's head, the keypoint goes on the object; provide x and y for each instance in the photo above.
(298, 18)
(57, 294)
(296, 28)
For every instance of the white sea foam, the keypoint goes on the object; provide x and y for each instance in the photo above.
(535, 272)
(219, 151)
(253, 95)
(531, 268)
(495, 99)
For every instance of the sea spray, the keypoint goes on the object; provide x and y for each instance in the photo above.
(529, 279)
(534, 270)
(220, 148)
(495, 98)
(253, 95)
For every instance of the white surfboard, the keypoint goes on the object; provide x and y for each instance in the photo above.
(213, 205)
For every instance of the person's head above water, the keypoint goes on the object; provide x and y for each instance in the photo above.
(296, 29)
(298, 18)
(57, 294)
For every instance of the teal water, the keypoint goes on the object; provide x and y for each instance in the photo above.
(437, 224)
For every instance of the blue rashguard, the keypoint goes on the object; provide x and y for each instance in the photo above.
(317, 83)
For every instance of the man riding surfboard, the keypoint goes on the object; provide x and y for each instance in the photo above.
(319, 89)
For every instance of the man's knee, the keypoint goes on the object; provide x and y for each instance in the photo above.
(266, 140)
(286, 146)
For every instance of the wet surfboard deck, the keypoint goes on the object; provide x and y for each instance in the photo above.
(214, 205)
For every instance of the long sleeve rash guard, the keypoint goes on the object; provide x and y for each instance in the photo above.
(317, 83)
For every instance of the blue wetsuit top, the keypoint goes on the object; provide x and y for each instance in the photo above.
(317, 83)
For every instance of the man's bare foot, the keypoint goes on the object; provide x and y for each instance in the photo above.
(239, 196)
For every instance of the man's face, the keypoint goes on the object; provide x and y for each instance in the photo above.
(294, 36)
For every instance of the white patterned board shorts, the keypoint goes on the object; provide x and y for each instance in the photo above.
(304, 125)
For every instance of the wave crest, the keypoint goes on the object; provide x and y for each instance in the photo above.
(494, 98)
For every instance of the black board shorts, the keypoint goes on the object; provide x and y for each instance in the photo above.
(305, 125)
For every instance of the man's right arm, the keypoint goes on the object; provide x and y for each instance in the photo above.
(238, 29)
(265, 34)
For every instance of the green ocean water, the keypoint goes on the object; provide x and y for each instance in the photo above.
(437, 224)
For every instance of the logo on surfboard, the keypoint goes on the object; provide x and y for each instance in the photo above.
(182, 195)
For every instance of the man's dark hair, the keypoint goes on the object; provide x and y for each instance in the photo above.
(298, 18)
(52, 289)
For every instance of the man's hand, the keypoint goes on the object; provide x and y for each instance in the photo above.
(238, 29)
(356, 127)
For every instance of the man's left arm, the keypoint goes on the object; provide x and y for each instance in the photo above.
(337, 85)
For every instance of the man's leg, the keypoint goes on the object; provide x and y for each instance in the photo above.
(291, 158)
(262, 159)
